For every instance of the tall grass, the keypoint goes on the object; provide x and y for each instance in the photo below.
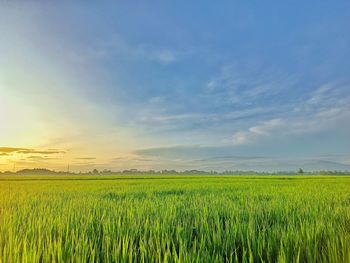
(177, 219)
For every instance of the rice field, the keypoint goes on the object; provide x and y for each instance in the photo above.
(174, 219)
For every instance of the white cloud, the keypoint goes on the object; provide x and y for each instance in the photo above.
(158, 115)
(321, 94)
(315, 123)
(165, 56)
(327, 108)
(118, 46)
(244, 84)
(240, 138)
(211, 85)
(264, 129)
(156, 100)
(226, 158)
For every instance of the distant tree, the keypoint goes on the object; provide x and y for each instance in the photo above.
(105, 171)
(300, 171)
(95, 171)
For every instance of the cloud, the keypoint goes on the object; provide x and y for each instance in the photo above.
(228, 158)
(31, 151)
(40, 158)
(7, 150)
(326, 109)
(85, 158)
(240, 137)
(321, 121)
(231, 158)
(263, 129)
(211, 85)
(119, 46)
(11, 149)
(321, 94)
(142, 160)
(193, 152)
(156, 100)
(165, 151)
(247, 83)
(120, 158)
(153, 117)
(165, 56)
(172, 117)
(161, 55)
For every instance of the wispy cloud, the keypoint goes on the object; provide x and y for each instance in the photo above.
(40, 158)
(264, 129)
(153, 116)
(118, 46)
(29, 151)
(330, 109)
(165, 56)
(248, 83)
(224, 158)
(11, 149)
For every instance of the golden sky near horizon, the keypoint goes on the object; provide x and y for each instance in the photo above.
(37, 133)
(37, 114)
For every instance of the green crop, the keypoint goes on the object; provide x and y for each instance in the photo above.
(174, 219)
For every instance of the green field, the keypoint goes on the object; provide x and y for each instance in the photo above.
(174, 219)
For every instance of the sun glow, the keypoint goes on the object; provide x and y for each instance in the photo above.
(18, 124)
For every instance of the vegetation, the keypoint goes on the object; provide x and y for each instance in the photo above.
(174, 219)
(300, 171)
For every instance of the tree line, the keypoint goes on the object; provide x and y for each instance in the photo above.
(39, 171)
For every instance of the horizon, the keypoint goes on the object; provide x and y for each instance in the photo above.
(300, 172)
(178, 86)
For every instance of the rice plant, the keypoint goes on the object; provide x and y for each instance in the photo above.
(175, 219)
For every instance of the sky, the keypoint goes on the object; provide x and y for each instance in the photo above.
(232, 85)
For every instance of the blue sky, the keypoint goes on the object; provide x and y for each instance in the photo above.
(233, 85)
